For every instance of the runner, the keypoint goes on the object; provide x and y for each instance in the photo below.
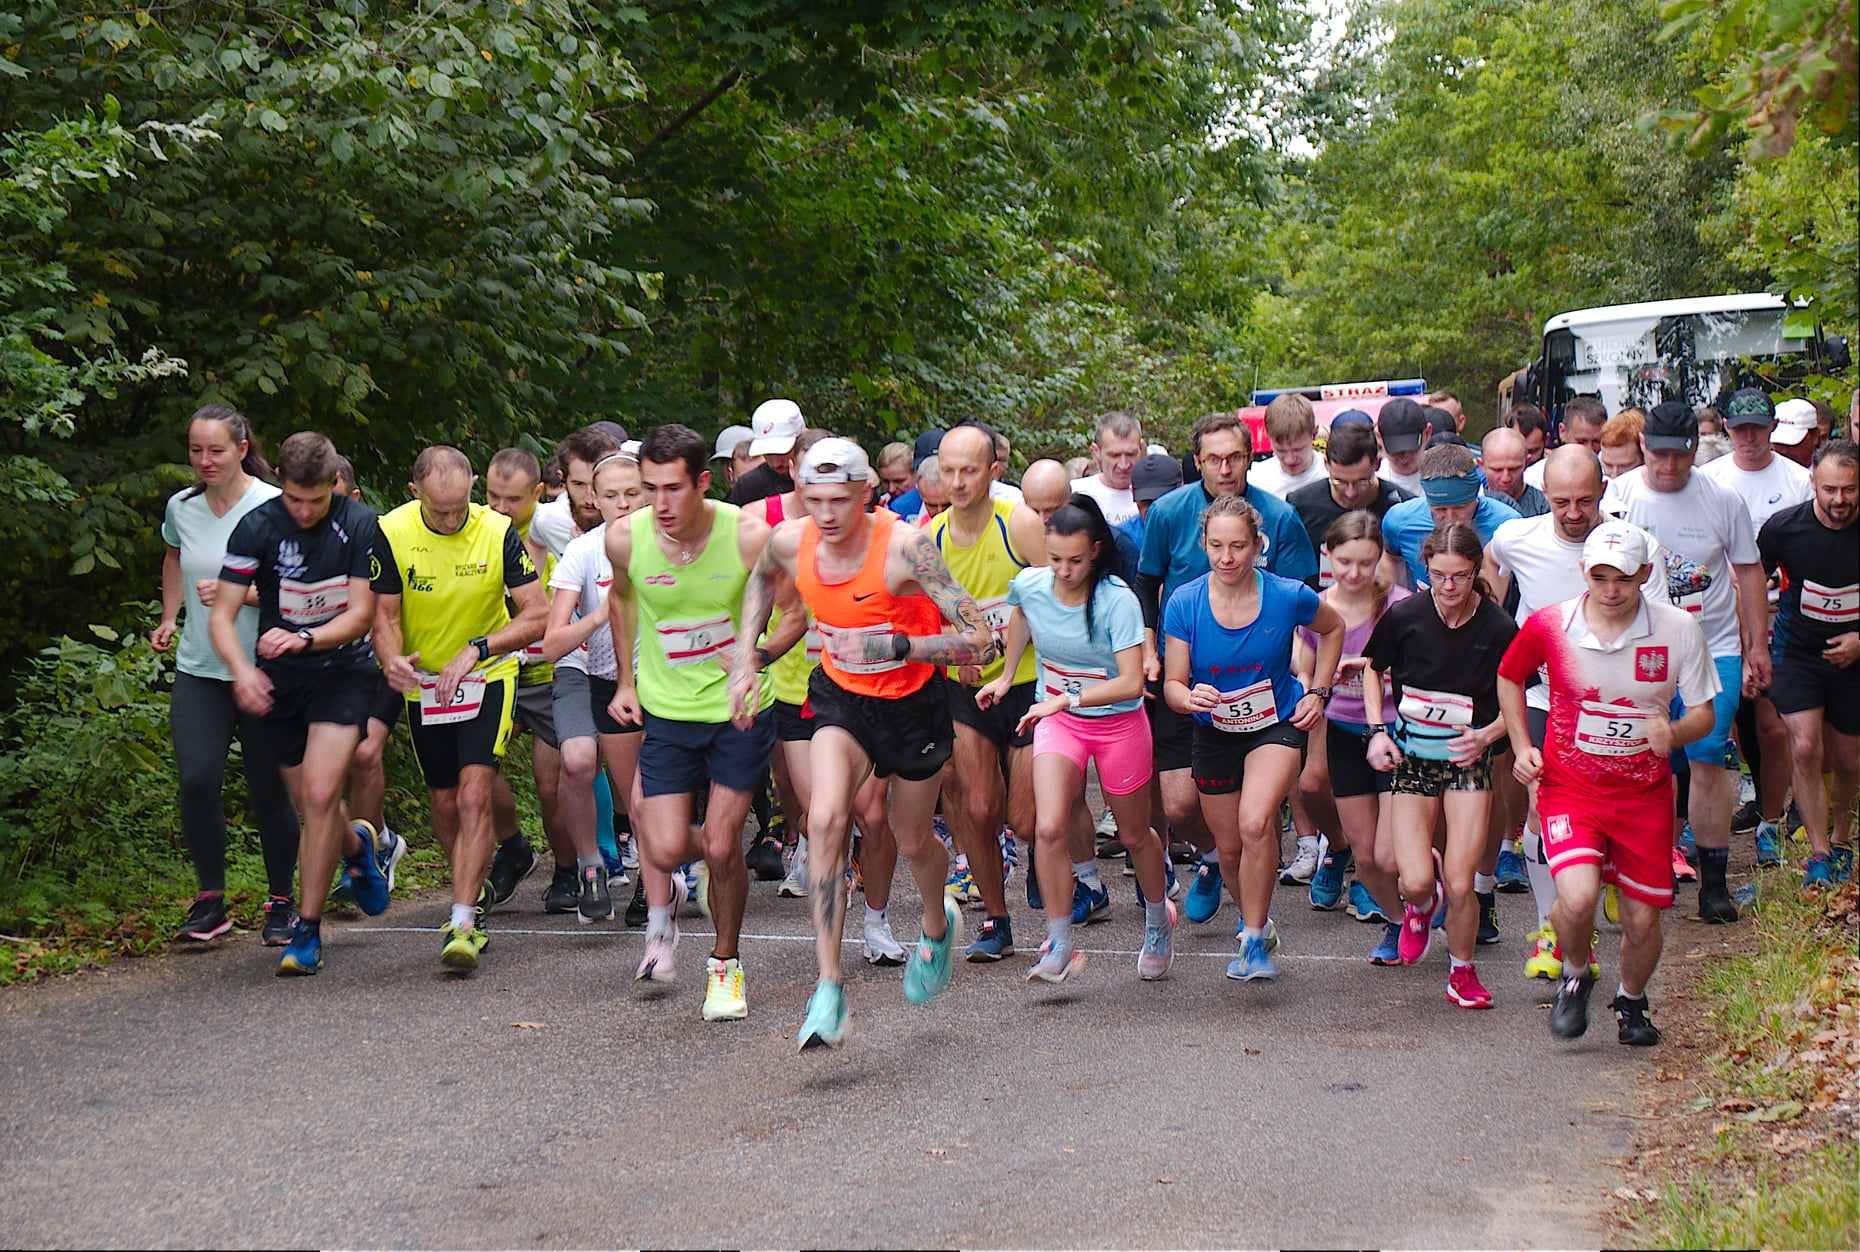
(1227, 651)
(1450, 492)
(1086, 628)
(1350, 483)
(1116, 447)
(1402, 428)
(1604, 786)
(368, 771)
(1291, 425)
(445, 575)
(203, 716)
(775, 424)
(1816, 652)
(879, 591)
(307, 552)
(1442, 651)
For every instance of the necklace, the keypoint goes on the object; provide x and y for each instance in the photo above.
(685, 556)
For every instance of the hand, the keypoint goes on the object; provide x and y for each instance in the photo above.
(453, 674)
(1384, 756)
(401, 674)
(1045, 708)
(252, 692)
(624, 707)
(1152, 663)
(1528, 766)
(278, 642)
(1465, 748)
(1842, 650)
(1659, 734)
(207, 589)
(969, 675)
(1202, 698)
(989, 696)
(1349, 663)
(745, 690)
(162, 637)
(1757, 670)
(1307, 711)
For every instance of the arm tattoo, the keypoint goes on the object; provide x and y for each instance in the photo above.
(973, 643)
(758, 598)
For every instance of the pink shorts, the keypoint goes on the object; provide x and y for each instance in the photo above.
(1119, 742)
(1630, 836)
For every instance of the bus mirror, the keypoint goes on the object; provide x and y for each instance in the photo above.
(1835, 352)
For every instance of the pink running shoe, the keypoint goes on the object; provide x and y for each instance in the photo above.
(659, 964)
(1414, 935)
(1465, 989)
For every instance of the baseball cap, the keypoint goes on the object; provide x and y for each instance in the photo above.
(1795, 421)
(1447, 436)
(835, 460)
(1154, 476)
(1403, 423)
(1671, 427)
(926, 446)
(1749, 406)
(1620, 544)
(1352, 417)
(727, 441)
(776, 424)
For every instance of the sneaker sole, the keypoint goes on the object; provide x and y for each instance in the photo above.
(885, 960)
(734, 1013)
(818, 1040)
(291, 969)
(1469, 1004)
(1257, 975)
(207, 936)
(459, 958)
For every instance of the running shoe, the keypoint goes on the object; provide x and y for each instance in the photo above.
(1175, 888)
(1688, 845)
(1130, 865)
(1512, 878)
(701, 892)
(1253, 962)
(1204, 894)
(514, 860)
(280, 917)
(1569, 1017)
(927, 972)
(1465, 989)
(825, 1023)
(637, 911)
(1303, 865)
(366, 878)
(1388, 952)
(723, 991)
(1611, 904)
(592, 901)
(961, 883)
(389, 849)
(940, 828)
(794, 884)
(303, 954)
(1545, 961)
(1050, 967)
(765, 860)
(462, 948)
(880, 947)
(660, 962)
(1327, 883)
(563, 894)
(1769, 847)
(1841, 855)
(1109, 845)
(1488, 916)
(629, 854)
(1414, 935)
(617, 877)
(340, 897)
(1746, 820)
(1363, 906)
(993, 941)
(1089, 905)
(1715, 903)
(1817, 873)
(1683, 870)
(1158, 955)
(1633, 1027)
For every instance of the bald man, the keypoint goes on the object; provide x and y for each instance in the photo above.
(1502, 456)
(1045, 488)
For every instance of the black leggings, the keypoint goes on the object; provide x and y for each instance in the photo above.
(202, 719)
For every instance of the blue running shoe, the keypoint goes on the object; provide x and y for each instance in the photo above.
(1327, 882)
(1511, 876)
(927, 971)
(993, 941)
(1035, 900)
(1439, 921)
(1388, 952)
(389, 848)
(303, 954)
(1818, 872)
(1252, 962)
(1769, 847)
(366, 879)
(1688, 846)
(1363, 906)
(1204, 894)
(1174, 893)
(1842, 857)
(1089, 905)
(825, 1024)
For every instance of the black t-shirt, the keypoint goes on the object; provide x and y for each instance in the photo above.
(1823, 570)
(1417, 650)
(1319, 511)
(303, 575)
(757, 483)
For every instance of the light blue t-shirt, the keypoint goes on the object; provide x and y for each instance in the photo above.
(1069, 660)
(1406, 527)
(189, 525)
(1240, 663)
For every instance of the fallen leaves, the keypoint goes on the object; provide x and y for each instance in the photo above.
(529, 1026)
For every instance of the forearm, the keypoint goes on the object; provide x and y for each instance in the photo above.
(349, 627)
(171, 592)
(223, 629)
(1149, 598)
(522, 630)
(1753, 606)
(963, 648)
(622, 619)
(386, 633)
(1511, 705)
(1329, 653)
(562, 638)
(1695, 725)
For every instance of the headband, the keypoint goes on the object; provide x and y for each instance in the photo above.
(1447, 492)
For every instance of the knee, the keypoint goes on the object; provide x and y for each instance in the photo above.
(474, 794)
(580, 759)
(369, 751)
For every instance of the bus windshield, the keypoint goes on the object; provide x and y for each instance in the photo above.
(1639, 361)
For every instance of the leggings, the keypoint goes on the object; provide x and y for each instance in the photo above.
(202, 719)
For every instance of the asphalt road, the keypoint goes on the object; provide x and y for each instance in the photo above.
(548, 1100)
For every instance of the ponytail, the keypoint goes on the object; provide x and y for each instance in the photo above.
(241, 431)
(1082, 514)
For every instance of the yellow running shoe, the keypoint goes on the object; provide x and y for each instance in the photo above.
(1611, 904)
(1544, 962)
(703, 892)
(723, 991)
(462, 947)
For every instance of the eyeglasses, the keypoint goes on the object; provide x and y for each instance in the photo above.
(1448, 580)
(1232, 460)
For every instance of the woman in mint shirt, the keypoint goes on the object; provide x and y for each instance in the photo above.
(201, 714)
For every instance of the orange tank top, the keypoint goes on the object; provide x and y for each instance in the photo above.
(863, 605)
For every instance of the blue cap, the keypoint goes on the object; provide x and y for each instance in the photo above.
(1350, 417)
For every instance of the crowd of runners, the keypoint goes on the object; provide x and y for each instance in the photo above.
(1388, 667)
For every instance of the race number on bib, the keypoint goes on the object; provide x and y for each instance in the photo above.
(1248, 709)
(467, 701)
(845, 641)
(1064, 680)
(1611, 729)
(1838, 606)
(996, 613)
(1435, 712)
(693, 643)
(312, 604)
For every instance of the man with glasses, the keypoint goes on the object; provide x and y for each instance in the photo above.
(1350, 484)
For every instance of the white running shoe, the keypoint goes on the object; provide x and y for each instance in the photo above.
(880, 947)
(1304, 864)
(794, 885)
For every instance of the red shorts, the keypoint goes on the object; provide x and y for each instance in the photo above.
(1119, 742)
(1632, 832)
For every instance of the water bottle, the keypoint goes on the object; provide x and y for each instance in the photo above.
(1746, 896)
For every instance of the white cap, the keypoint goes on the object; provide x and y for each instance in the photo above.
(630, 449)
(776, 424)
(1795, 421)
(1620, 544)
(727, 441)
(835, 461)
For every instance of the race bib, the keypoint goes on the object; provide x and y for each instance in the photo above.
(533, 654)
(312, 604)
(1691, 601)
(996, 613)
(693, 643)
(1248, 709)
(1063, 680)
(1611, 729)
(1435, 712)
(467, 701)
(845, 640)
(1350, 686)
(1838, 606)
(812, 645)
(1325, 575)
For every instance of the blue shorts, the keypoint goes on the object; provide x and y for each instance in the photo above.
(1712, 748)
(676, 756)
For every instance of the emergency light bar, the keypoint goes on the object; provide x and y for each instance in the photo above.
(1348, 391)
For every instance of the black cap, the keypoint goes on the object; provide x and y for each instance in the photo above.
(1154, 476)
(927, 444)
(1749, 406)
(1403, 424)
(1671, 427)
(1447, 436)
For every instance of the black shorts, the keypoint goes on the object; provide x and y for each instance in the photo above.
(600, 696)
(1173, 735)
(998, 721)
(1537, 721)
(676, 756)
(794, 723)
(387, 703)
(1346, 747)
(535, 712)
(339, 697)
(1220, 756)
(910, 737)
(1801, 683)
(444, 750)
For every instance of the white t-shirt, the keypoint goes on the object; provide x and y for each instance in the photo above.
(1269, 475)
(1118, 506)
(1704, 522)
(1005, 491)
(1547, 569)
(189, 524)
(553, 525)
(583, 570)
(1534, 473)
(1782, 484)
(1410, 483)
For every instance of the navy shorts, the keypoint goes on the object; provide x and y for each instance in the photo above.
(676, 756)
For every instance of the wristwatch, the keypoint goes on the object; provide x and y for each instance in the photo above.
(900, 646)
(763, 659)
(1323, 693)
(309, 638)
(1374, 729)
(484, 647)
(1074, 699)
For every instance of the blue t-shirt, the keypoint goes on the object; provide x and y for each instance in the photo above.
(908, 505)
(1172, 538)
(1406, 527)
(1069, 660)
(1234, 661)
(1129, 536)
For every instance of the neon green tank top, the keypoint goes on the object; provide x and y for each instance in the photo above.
(688, 619)
(788, 676)
(985, 571)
